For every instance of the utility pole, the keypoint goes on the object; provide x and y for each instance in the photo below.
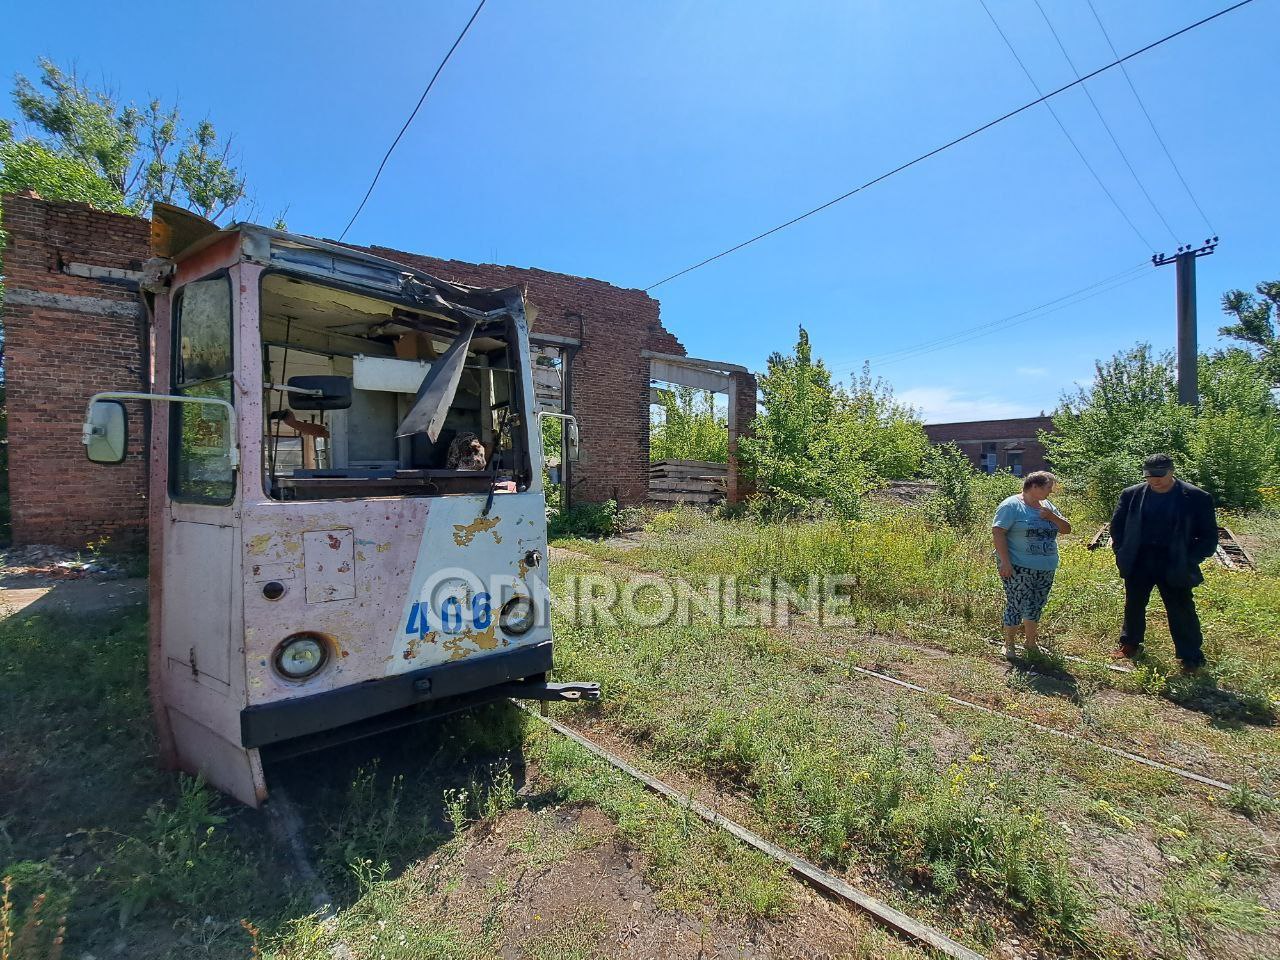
(1188, 350)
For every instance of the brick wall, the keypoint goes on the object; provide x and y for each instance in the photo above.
(1020, 434)
(68, 336)
(609, 378)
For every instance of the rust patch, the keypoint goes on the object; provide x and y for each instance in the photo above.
(482, 639)
(464, 533)
(411, 653)
(334, 542)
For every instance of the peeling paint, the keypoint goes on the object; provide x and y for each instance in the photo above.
(464, 533)
(411, 652)
(259, 543)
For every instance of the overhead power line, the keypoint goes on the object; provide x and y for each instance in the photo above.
(1146, 113)
(1063, 127)
(951, 143)
(1036, 313)
(1106, 126)
(387, 156)
(992, 325)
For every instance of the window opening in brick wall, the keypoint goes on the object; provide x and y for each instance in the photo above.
(990, 458)
(688, 444)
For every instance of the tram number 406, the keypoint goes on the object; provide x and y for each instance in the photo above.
(451, 615)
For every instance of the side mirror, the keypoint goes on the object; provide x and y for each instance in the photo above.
(105, 434)
(571, 444)
(572, 447)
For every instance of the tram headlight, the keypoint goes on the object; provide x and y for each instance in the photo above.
(300, 656)
(518, 616)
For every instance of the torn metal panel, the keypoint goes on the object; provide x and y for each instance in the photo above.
(438, 389)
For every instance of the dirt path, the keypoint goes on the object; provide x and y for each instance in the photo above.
(42, 595)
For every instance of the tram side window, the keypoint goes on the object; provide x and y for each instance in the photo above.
(200, 441)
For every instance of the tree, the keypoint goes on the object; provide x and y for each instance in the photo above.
(1102, 432)
(30, 165)
(878, 430)
(818, 448)
(687, 426)
(1255, 323)
(1229, 446)
(121, 156)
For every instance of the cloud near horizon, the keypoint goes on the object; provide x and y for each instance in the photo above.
(945, 405)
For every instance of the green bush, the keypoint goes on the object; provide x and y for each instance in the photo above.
(685, 425)
(960, 487)
(181, 860)
(1230, 445)
(818, 447)
(588, 521)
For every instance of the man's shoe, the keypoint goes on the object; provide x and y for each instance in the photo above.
(1192, 669)
(1124, 652)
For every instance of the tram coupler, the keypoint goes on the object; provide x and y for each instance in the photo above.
(540, 690)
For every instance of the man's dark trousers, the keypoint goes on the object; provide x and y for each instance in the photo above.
(1150, 570)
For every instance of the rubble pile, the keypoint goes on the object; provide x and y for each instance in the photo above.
(60, 563)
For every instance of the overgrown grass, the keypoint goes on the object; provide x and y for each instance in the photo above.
(91, 825)
(838, 779)
(903, 570)
(962, 806)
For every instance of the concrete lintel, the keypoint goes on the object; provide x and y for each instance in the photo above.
(689, 376)
(95, 306)
(95, 272)
(552, 340)
(693, 362)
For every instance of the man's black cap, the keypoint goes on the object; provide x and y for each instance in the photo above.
(1157, 465)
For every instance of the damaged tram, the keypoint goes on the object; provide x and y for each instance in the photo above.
(347, 519)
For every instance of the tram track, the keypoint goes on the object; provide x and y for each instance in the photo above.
(827, 883)
(1189, 776)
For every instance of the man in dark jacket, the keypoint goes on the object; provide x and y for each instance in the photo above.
(1161, 532)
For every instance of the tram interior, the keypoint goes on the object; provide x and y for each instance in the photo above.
(341, 371)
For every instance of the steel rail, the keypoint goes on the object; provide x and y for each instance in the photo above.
(884, 914)
(990, 711)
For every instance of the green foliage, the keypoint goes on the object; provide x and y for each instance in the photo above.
(1230, 446)
(91, 146)
(181, 859)
(589, 521)
(817, 447)
(1255, 323)
(954, 502)
(1203, 896)
(31, 165)
(1102, 432)
(685, 425)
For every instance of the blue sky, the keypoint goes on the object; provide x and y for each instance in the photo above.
(625, 141)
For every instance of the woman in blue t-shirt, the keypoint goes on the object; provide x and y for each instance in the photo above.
(1025, 531)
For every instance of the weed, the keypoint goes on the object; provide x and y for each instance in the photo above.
(580, 937)
(37, 935)
(1201, 899)
(1244, 799)
(181, 859)
(371, 830)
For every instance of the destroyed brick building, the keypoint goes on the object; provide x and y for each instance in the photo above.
(74, 324)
